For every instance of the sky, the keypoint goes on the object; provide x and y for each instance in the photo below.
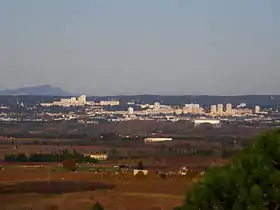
(170, 47)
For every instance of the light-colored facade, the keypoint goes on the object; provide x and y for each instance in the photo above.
(178, 111)
(192, 109)
(130, 110)
(67, 102)
(257, 109)
(82, 99)
(206, 121)
(148, 140)
(136, 171)
(229, 109)
(109, 103)
(98, 156)
(213, 109)
(220, 108)
(156, 106)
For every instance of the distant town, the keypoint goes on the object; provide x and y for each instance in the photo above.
(84, 111)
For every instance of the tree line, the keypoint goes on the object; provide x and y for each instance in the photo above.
(53, 157)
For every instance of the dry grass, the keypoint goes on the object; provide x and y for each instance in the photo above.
(130, 192)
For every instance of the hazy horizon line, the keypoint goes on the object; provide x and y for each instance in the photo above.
(70, 93)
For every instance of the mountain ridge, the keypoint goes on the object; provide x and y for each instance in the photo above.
(44, 90)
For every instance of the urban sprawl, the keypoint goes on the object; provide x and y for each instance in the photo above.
(115, 111)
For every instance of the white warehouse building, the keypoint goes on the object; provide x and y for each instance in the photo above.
(206, 121)
(150, 140)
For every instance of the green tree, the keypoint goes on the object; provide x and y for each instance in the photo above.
(140, 165)
(97, 206)
(251, 181)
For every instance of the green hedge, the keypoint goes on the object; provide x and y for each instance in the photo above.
(56, 157)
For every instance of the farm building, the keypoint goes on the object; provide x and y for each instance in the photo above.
(136, 171)
(149, 140)
(98, 156)
(206, 121)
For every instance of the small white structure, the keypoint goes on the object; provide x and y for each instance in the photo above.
(136, 171)
(98, 156)
(149, 140)
(130, 110)
(257, 109)
(205, 121)
(156, 106)
(109, 103)
(183, 171)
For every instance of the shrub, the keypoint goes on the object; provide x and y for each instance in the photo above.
(70, 164)
(162, 176)
(251, 181)
(21, 158)
(140, 166)
(97, 206)
(57, 157)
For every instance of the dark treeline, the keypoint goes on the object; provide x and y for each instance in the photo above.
(55, 157)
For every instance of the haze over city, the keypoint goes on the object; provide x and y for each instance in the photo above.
(136, 47)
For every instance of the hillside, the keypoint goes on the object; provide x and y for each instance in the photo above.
(46, 90)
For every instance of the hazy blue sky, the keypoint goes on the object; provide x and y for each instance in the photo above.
(103, 47)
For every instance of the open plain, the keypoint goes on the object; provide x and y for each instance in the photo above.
(122, 191)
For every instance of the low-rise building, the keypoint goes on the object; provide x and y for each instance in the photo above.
(98, 156)
(149, 140)
(206, 121)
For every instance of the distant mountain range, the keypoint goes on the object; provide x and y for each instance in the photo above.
(49, 93)
(43, 90)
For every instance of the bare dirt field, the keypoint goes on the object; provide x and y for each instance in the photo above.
(128, 193)
(131, 193)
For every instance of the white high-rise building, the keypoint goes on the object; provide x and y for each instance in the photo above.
(220, 108)
(156, 105)
(257, 109)
(82, 99)
(130, 110)
(229, 109)
(192, 109)
(213, 109)
(195, 109)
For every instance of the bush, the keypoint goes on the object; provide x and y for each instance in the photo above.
(97, 206)
(162, 176)
(21, 158)
(140, 166)
(56, 157)
(70, 164)
(251, 181)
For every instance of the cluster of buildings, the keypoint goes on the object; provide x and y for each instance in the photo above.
(80, 101)
(67, 102)
(218, 110)
(157, 108)
(114, 111)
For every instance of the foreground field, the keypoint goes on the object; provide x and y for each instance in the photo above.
(129, 193)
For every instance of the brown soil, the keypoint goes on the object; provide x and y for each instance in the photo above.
(52, 187)
(129, 193)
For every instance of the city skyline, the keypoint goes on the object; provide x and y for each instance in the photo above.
(133, 47)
